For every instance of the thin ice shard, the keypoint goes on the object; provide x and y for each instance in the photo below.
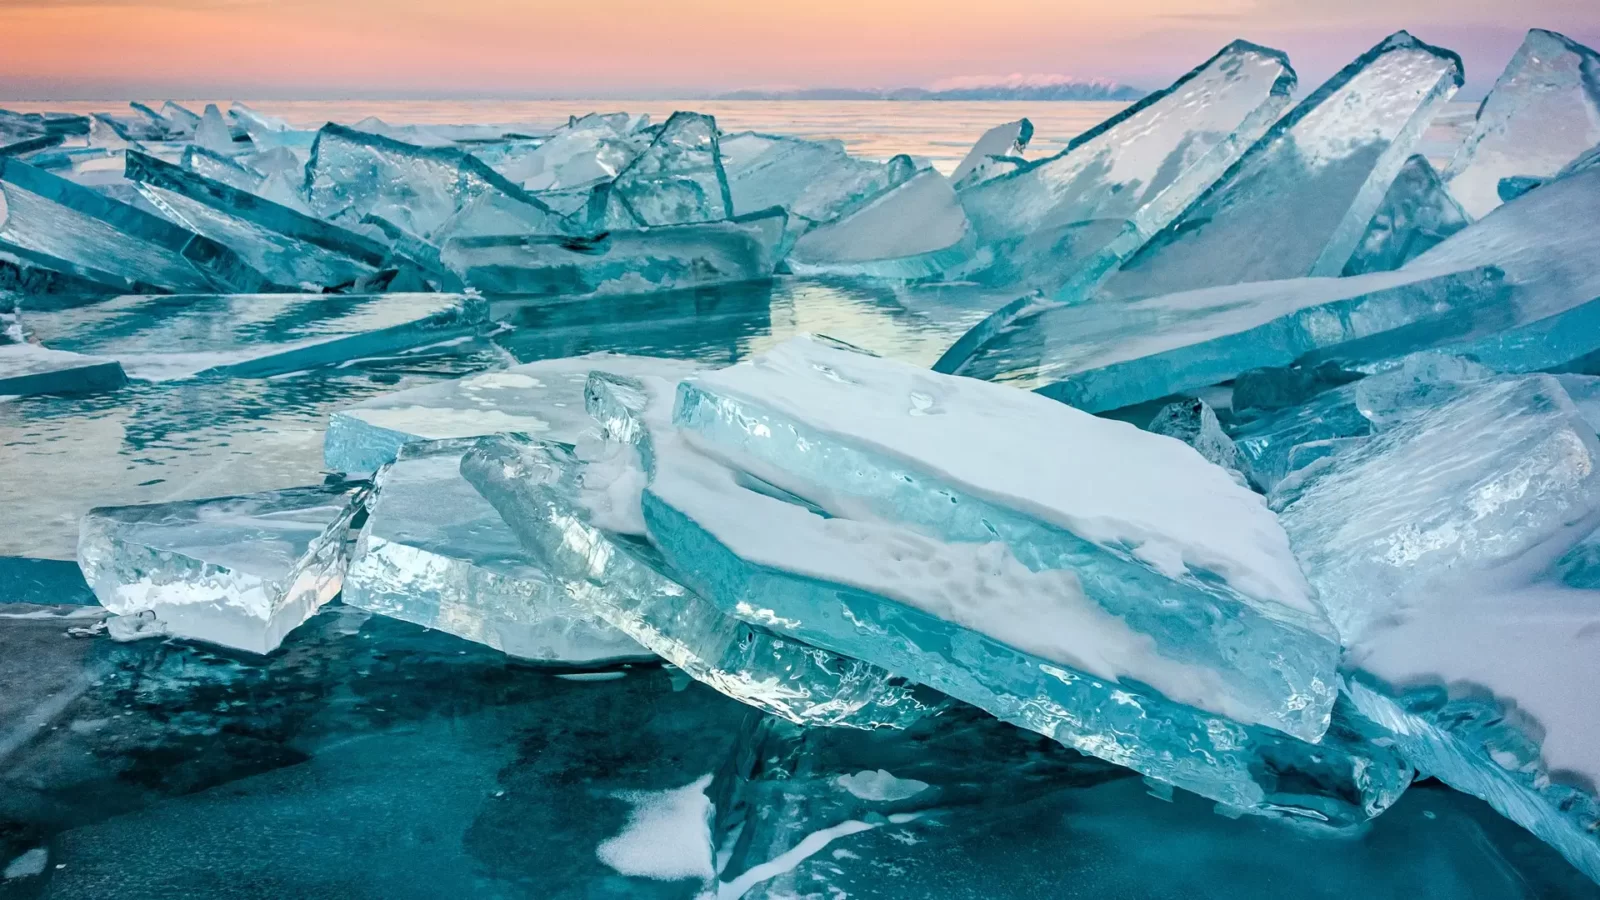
(31, 369)
(677, 180)
(238, 571)
(180, 117)
(814, 180)
(220, 168)
(1195, 423)
(907, 462)
(1299, 201)
(82, 232)
(744, 248)
(1069, 218)
(913, 230)
(435, 553)
(1008, 140)
(1416, 214)
(213, 133)
(586, 152)
(1543, 112)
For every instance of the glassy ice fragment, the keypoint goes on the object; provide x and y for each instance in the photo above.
(677, 180)
(1195, 423)
(435, 553)
(913, 230)
(1270, 443)
(815, 180)
(1068, 219)
(1010, 139)
(180, 118)
(1543, 111)
(159, 337)
(1298, 202)
(221, 169)
(237, 571)
(79, 231)
(1416, 214)
(922, 467)
(671, 257)
(213, 133)
(544, 399)
(31, 369)
(584, 153)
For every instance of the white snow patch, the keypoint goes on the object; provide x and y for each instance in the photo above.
(28, 864)
(809, 846)
(880, 786)
(668, 835)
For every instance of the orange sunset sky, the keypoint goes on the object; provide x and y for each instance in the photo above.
(94, 49)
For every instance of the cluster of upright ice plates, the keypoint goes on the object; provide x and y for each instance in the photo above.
(1349, 537)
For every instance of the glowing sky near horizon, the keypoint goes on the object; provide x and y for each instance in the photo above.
(62, 49)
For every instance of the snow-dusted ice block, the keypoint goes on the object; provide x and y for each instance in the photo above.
(77, 230)
(551, 499)
(1543, 112)
(237, 571)
(1416, 214)
(544, 399)
(910, 231)
(677, 180)
(671, 257)
(160, 337)
(1298, 202)
(1504, 475)
(1008, 140)
(1093, 521)
(1068, 219)
(31, 369)
(435, 553)
(814, 180)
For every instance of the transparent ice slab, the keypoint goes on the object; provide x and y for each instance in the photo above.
(546, 493)
(237, 571)
(1297, 203)
(81, 232)
(1195, 423)
(815, 180)
(586, 152)
(915, 465)
(221, 169)
(1008, 140)
(214, 134)
(435, 553)
(31, 369)
(1416, 214)
(913, 230)
(671, 257)
(677, 180)
(1068, 219)
(160, 337)
(1543, 112)
(544, 399)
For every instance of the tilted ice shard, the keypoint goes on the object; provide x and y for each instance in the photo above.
(1543, 112)
(547, 495)
(82, 232)
(435, 553)
(1298, 202)
(744, 248)
(352, 173)
(544, 399)
(1275, 444)
(162, 337)
(288, 246)
(31, 369)
(1416, 214)
(1070, 218)
(213, 133)
(220, 168)
(815, 180)
(1195, 423)
(1009, 139)
(910, 231)
(238, 571)
(180, 117)
(585, 152)
(677, 180)
(1133, 565)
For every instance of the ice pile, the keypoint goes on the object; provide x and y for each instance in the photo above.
(1275, 482)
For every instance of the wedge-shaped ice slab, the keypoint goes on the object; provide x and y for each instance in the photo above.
(435, 553)
(352, 173)
(1195, 423)
(815, 180)
(158, 337)
(548, 497)
(1298, 202)
(1416, 214)
(1505, 471)
(291, 247)
(1008, 140)
(544, 399)
(238, 571)
(910, 231)
(220, 168)
(586, 152)
(55, 223)
(1543, 112)
(31, 369)
(621, 262)
(1070, 218)
(677, 180)
(1139, 566)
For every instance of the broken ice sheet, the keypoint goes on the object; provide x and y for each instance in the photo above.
(670, 257)
(1009, 140)
(910, 231)
(1298, 202)
(815, 180)
(1543, 111)
(1076, 214)
(237, 571)
(1195, 423)
(31, 369)
(161, 337)
(677, 180)
(435, 553)
(585, 152)
(1416, 214)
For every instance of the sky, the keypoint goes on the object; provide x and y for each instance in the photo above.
(312, 49)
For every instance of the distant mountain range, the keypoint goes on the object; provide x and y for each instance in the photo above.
(1015, 87)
